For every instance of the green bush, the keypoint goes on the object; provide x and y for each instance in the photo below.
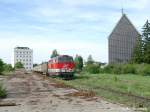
(140, 69)
(108, 69)
(128, 68)
(1, 66)
(117, 69)
(19, 65)
(146, 71)
(143, 69)
(92, 68)
(8, 67)
(113, 69)
(3, 92)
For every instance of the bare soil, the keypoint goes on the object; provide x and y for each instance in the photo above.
(35, 93)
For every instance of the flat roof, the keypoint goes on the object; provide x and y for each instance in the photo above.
(22, 48)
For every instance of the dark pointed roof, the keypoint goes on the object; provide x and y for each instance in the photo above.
(124, 26)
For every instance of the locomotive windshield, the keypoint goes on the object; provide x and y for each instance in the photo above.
(65, 59)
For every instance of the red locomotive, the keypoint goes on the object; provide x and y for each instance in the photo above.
(62, 65)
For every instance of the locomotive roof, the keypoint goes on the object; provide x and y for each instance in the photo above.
(60, 56)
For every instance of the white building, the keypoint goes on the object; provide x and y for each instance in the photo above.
(23, 55)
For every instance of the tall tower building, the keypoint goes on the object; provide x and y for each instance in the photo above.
(25, 56)
(122, 41)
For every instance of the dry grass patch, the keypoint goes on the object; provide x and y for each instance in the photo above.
(83, 94)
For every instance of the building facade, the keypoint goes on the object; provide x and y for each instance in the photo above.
(25, 56)
(122, 41)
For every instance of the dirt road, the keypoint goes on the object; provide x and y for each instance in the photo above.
(33, 93)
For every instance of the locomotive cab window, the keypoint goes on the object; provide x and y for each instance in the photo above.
(65, 59)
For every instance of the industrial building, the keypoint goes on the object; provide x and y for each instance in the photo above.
(23, 55)
(122, 41)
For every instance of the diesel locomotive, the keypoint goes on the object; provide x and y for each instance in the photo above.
(62, 65)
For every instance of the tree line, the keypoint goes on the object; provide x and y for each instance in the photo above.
(142, 50)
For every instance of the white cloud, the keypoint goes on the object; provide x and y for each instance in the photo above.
(137, 4)
(80, 2)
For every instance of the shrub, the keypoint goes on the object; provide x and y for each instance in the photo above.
(120, 69)
(1, 66)
(8, 67)
(117, 69)
(19, 65)
(113, 69)
(92, 68)
(128, 68)
(108, 69)
(143, 69)
(3, 92)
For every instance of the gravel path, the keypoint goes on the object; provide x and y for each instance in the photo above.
(32, 93)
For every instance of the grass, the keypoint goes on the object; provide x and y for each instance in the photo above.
(3, 92)
(148, 110)
(125, 89)
(6, 73)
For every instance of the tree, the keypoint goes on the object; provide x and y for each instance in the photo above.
(34, 65)
(90, 60)
(19, 65)
(78, 62)
(1, 66)
(146, 40)
(54, 53)
(138, 51)
(8, 67)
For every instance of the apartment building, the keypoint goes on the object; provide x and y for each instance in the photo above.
(25, 56)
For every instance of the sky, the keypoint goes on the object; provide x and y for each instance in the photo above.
(71, 26)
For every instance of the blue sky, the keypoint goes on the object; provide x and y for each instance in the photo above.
(70, 26)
